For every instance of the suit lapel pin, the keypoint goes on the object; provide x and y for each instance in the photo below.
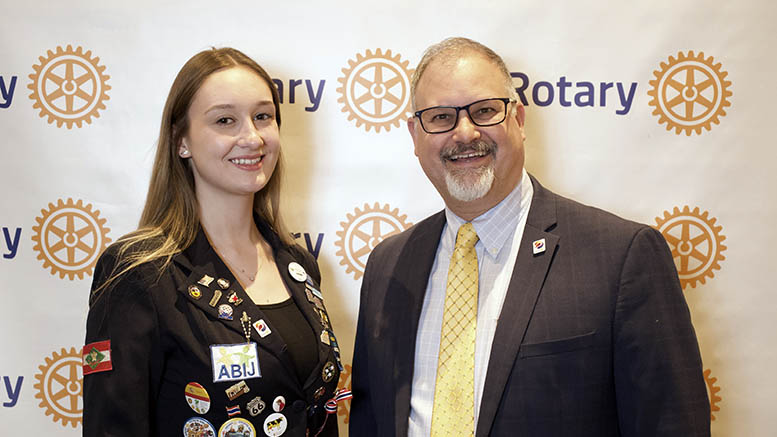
(225, 312)
(297, 272)
(328, 372)
(215, 299)
(205, 280)
(538, 246)
(262, 329)
(195, 292)
(233, 299)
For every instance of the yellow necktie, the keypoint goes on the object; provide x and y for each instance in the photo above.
(454, 391)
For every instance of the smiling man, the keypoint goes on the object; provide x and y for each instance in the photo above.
(515, 311)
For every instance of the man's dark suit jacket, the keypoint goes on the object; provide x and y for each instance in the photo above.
(594, 338)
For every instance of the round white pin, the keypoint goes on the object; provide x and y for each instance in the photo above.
(297, 272)
(275, 424)
(278, 404)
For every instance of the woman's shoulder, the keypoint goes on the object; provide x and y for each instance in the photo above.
(127, 261)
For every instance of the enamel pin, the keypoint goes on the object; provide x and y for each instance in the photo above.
(194, 292)
(205, 280)
(538, 246)
(215, 299)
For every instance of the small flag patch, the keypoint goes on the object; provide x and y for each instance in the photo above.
(97, 357)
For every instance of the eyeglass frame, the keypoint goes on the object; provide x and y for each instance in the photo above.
(505, 100)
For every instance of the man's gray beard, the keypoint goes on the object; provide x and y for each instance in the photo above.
(471, 184)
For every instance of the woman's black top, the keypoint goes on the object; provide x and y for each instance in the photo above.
(296, 332)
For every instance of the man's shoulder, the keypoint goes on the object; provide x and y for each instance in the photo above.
(571, 214)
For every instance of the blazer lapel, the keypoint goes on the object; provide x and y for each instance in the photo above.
(199, 260)
(528, 277)
(404, 301)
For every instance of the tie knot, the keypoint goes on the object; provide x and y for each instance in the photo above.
(466, 238)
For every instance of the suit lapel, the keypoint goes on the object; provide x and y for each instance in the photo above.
(404, 301)
(528, 277)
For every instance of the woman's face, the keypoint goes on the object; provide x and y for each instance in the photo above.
(232, 140)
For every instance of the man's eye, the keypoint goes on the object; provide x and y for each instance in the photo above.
(440, 117)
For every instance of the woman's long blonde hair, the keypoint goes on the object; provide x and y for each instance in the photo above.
(170, 222)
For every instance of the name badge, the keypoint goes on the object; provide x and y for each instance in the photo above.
(233, 362)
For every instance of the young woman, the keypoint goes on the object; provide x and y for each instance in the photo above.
(208, 320)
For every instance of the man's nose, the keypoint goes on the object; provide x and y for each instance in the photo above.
(465, 130)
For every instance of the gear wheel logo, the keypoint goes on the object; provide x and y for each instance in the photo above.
(689, 93)
(695, 241)
(344, 410)
(69, 86)
(712, 393)
(59, 386)
(375, 90)
(69, 237)
(363, 231)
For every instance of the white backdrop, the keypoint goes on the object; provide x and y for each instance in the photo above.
(74, 170)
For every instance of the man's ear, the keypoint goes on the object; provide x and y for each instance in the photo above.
(411, 127)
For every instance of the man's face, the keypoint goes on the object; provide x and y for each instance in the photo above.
(472, 167)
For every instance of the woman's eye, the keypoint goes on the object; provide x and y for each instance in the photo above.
(263, 116)
(224, 120)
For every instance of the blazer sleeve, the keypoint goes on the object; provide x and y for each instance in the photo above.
(362, 420)
(120, 402)
(659, 383)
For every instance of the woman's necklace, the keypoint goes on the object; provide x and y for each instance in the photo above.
(249, 276)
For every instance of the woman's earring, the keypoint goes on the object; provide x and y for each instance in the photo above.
(183, 153)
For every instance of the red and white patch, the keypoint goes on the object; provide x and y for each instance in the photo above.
(96, 357)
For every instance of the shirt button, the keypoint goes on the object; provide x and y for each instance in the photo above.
(298, 405)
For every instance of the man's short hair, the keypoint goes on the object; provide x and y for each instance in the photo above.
(454, 48)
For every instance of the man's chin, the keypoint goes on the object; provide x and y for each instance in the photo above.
(469, 187)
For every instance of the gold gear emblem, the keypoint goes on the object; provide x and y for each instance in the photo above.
(69, 86)
(375, 90)
(59, 386)
(69, 237)
(689, 93)
(712, 392)
(695, 241)
(345, 382)
(363, 231)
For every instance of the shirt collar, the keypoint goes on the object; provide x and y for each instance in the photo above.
(496, 226)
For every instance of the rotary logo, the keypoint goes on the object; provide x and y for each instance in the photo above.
(59, 386)
(712, 393)
(363, 231)
(69, 237)
(695, 241)
(69, 86)
(375, 90)
(345, 383)
(689, 93)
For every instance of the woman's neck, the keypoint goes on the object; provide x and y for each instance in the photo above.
(229, 221)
